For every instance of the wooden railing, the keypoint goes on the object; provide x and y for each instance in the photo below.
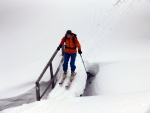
(53, 76)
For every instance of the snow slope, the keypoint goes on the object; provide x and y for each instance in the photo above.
(116, 47)
(129, 103)
(123, 51)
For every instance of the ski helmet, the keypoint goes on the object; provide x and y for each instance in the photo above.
(68, 32)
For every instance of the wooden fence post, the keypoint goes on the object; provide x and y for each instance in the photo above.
(51, 72)
(38, 91)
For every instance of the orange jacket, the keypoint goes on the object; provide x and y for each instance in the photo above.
(69, 44)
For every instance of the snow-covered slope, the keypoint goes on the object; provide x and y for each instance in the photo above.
(122, 50)
(115, 42)
(129, 103)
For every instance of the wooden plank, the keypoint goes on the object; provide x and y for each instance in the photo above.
(44, 70)
(52, 79)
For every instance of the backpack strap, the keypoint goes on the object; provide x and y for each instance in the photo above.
(73, 39)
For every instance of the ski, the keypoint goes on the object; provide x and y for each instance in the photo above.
(62, 81)
(69, 83)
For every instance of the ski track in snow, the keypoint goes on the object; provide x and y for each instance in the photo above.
(101, 31)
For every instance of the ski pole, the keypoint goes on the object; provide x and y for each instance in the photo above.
(89, 75)
(83, 62)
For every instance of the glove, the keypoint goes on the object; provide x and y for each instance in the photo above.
(58, 48)
(79, 51)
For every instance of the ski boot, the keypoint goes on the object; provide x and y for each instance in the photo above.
(72, 75)
(64, 75)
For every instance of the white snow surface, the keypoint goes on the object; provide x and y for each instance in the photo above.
(115, 41)
(129, 103)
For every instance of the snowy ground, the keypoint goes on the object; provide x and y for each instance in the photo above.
(127, 103)
(115, 41)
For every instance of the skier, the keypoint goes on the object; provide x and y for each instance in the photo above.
(71, 43)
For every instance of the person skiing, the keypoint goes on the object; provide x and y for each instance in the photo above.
(71, 45)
